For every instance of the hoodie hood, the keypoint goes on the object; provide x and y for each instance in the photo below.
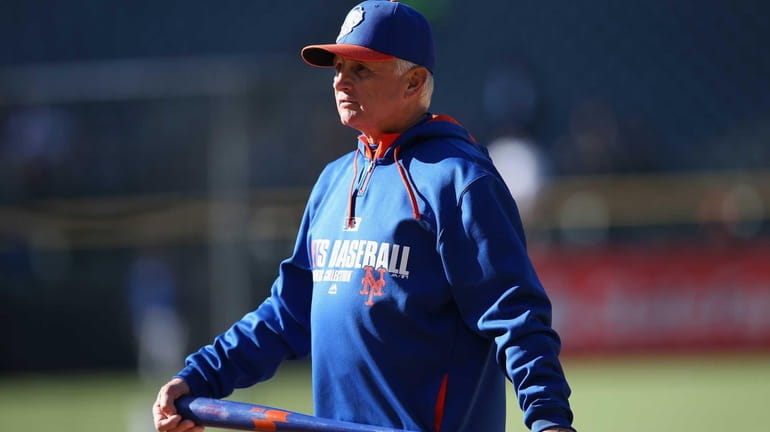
(433, 126)
(389, 149)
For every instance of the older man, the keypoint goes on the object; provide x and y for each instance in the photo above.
(410, 284)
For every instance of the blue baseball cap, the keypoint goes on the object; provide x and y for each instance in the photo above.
(379, 30)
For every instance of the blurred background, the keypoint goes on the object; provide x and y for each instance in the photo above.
(155, 159)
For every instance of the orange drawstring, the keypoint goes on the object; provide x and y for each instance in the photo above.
(350, 223)
(405, 179)
(383, 145)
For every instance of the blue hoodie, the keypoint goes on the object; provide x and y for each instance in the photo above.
(411, 287)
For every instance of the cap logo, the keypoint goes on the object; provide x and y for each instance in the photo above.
(354, 18)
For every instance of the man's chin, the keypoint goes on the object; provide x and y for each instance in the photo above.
(349, 120)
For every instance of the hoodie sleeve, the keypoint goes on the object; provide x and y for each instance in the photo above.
(482, 245)
(251, 350)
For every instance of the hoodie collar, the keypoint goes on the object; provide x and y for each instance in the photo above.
(376, 150)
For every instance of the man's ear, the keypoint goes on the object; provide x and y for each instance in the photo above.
(416, 79)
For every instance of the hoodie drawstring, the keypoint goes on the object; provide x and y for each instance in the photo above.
(407, 185)
(350, 223)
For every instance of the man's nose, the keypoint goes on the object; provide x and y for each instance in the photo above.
(341, 81)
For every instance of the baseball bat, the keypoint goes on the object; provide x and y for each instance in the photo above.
(253, 417)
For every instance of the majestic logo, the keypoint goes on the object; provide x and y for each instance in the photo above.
(372, 287)
(354, 18)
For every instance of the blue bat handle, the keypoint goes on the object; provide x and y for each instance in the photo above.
(253, 417)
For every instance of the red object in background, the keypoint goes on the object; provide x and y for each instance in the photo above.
(672, 297)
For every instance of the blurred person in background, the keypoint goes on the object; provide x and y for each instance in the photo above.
(159, 332)
(160, 335)
(410, 285)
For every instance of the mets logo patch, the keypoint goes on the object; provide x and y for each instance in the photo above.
(354, 18)
(372, 287)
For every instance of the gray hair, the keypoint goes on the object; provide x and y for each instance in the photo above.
(403, 66)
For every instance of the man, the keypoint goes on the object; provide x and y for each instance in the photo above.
(410, 284)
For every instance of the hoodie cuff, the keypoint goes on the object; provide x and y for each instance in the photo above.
(197, 384)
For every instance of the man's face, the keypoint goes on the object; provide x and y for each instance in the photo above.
(369, 95)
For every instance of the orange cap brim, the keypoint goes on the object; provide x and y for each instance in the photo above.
(323, 55)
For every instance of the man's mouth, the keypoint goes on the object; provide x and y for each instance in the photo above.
(348, 105)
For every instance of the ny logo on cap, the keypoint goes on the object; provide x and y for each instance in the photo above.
(354, 18)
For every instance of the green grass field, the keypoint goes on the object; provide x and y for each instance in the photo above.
(704, 393)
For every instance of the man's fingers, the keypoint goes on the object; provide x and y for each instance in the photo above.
(189, 426)
(175, 423)
(169, 393)
(165, 403)
(186, 426)
(168, 423)
(164, 411)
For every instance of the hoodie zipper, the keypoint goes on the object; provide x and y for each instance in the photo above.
(363, 183)
(350, 221)
(367, 176)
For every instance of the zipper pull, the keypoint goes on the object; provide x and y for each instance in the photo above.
(368, 175)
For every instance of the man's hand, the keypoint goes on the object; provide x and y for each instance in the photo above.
(164, 412)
